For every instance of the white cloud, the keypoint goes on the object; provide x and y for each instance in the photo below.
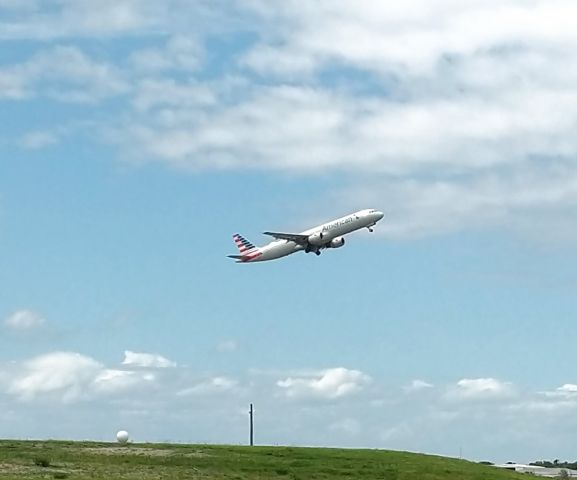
(64, 374)
(287, 119)
(112, 381)
(111, 16)
(210, 387)
(481, 389)
(418, 385)
(181, 53)
(544, 407)
(163, 93)
(460, 113)
(69, 377)
(311, 129)
(80, 18)
(147, 360)
(330, 384)
(64, 73)
(12, 86)
(409, 36)
(528, 200)
(114, 18)
(489, 178)
(458, 125)
(23, 320)
(568, 389)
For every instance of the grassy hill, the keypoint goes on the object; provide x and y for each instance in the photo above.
(91, 460)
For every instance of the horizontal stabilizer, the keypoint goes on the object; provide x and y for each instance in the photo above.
(236, 257)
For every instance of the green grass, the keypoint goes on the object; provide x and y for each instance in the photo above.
(92, 460)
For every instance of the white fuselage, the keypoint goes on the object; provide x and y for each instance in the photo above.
(331, 230)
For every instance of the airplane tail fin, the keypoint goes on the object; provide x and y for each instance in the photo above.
(243, 245)
(247, 250)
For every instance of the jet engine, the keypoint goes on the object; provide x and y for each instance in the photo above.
(337, 242)
(316, 239)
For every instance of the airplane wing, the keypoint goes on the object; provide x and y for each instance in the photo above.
(292, 237)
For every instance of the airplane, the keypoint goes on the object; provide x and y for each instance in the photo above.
(327, 235)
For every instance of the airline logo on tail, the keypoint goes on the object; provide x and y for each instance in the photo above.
(247, 250)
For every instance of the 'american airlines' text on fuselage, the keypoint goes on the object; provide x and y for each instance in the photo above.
(327, 235)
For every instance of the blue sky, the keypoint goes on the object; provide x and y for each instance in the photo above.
(138, 137)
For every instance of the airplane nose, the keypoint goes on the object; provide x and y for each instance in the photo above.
(379, 215)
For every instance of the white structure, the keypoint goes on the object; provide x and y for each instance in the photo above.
(122, 436)
(536, 470)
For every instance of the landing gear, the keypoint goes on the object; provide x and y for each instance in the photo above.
(370, 229)
(312, 248)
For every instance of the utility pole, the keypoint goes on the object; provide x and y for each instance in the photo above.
(251, 416)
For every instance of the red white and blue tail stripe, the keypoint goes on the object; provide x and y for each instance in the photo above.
(247, 250)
